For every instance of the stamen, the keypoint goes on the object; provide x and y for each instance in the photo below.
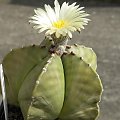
(59, 24)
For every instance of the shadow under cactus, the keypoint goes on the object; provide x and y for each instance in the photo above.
(14, 113)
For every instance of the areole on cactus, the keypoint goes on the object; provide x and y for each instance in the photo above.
(54, 80)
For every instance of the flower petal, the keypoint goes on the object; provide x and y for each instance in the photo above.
(50, 13)
(69, 34)
(57, 9)
(57, 34)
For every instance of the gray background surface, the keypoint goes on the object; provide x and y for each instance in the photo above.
(102, 34)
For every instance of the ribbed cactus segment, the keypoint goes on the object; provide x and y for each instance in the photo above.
(28, 85)
(46, 98)
(17, 65)
(87, 54)
(82, 90)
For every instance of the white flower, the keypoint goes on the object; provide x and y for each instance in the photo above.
(61, 21)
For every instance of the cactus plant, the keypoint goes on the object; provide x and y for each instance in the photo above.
(53, 80)
(48, 86)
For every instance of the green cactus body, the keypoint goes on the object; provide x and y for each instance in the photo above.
(85, 53)
(17, 65)
(82, 91)
(48, 86)
(47, 96)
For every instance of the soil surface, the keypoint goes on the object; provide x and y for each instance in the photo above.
(14, 113)
(102, 34)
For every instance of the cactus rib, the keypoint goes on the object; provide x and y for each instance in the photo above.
(82, 90)
(48, 93)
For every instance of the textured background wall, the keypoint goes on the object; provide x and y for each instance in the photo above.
(42, 2)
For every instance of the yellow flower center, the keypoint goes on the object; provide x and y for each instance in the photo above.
(59, 24)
